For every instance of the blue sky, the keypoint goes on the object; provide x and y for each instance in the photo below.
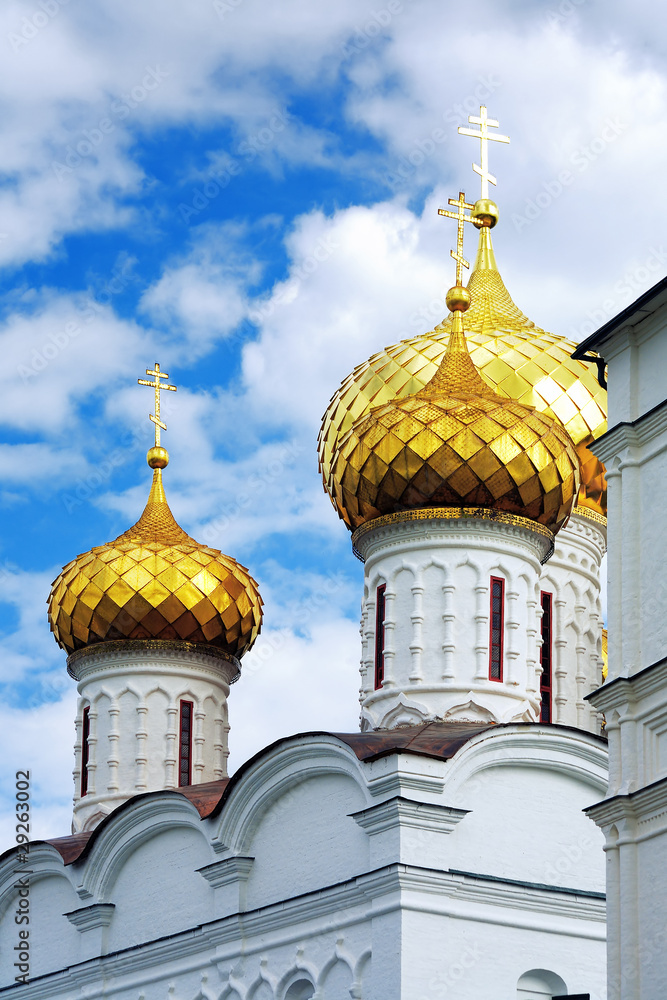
(247, 193)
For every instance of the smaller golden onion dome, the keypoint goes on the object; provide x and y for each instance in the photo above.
(155, 582)
(455, 443)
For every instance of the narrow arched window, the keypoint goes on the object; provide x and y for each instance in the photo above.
(379, 634)
(546, 654)
(497, 628)
(185, 745)
(85, 750)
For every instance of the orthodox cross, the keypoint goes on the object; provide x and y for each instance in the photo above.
(484, 137)
(460, 217)
(157, 385)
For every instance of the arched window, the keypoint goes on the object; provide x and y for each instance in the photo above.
(545, 656)
(497, 628)
(300, 989)
(85, 750)
(185, 745)
(379, 634)
(539, 984)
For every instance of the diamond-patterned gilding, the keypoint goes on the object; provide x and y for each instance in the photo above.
(155, 582)
(458, 450)
(516, 358)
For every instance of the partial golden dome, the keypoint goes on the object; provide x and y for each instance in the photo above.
(455, 443)
(516, 359)
(155, 582)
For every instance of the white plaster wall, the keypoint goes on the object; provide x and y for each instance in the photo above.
(53, 942)
(317, 903)
(637, 361)
(158, 889)
(528, 824)
(306, 839)
(446, 957)
(134, 698)
(437, 574)
(572, 576)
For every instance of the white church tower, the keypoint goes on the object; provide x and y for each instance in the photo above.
(482, 529)
(155, 625)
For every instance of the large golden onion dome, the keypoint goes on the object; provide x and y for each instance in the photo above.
(516, 358)
(455, 443)
(155, 582)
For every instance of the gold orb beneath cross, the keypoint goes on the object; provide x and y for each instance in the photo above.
(157, 457)
(485, 213)
(457, 299)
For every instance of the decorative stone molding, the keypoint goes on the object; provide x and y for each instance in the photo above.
(158, 650)
(444, 514)
(92, 917)
(408, 813)
(229, 871)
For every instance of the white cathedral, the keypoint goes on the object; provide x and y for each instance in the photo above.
(443, 852)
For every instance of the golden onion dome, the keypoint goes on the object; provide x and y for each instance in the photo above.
(455, 443)
(517, 359)
(155, 582)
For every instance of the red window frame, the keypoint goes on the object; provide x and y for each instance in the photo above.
(546, 656)
(85, 750)
(185, 743)
(496, 628)
(380, 606)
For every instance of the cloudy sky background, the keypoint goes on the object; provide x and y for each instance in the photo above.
(246, 191)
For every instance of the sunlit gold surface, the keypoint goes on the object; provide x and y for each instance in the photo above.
(158, 387)
(605, 655)
(484, 137)
(516, 358)
(451, 514)
(155, 582)
(455, 443)
(157, 457)
(485, 213)
(460, 217)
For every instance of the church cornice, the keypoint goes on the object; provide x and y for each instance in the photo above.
(152, 655)
(393, 529)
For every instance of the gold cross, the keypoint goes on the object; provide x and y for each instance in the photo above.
(157, 385)
(462, 204)
(484, 137)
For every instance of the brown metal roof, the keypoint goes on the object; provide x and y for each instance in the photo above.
(439, 740)
(71, 848)
(433, 739)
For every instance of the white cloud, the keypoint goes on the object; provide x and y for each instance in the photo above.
(42, 742)
(293, 685)
(51, 358)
